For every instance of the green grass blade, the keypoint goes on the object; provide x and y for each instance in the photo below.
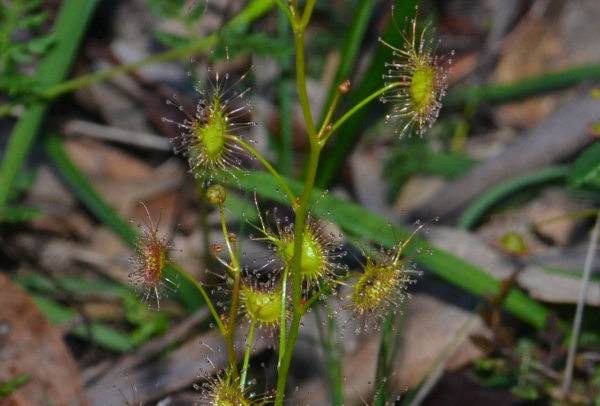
(69, 28)
(100, 334)
(504, 92)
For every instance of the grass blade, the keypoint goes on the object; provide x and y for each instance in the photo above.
(69, 28)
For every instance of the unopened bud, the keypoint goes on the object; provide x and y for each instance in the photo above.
(344, 87)
(216, 194)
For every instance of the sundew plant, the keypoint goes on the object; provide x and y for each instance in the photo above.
(304, 261)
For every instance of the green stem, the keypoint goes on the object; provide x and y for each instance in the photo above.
(200, 288)
(235, 269)
(83, 81)
(325, 131)
(315, 150)
(247, 355)
(287, 11)
(283, 316)
(322, 291)
(203, 216)
(270, 168)
(359, 106)
(301, 85)
(235, 264)
(310, 5)
(297, 310)
(285, 89)
(232, 319)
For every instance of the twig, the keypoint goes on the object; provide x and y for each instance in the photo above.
(579, 312)
(103, 132)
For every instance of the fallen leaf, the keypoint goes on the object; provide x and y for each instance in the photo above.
(29, 345)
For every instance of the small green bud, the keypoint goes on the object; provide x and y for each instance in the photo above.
(216, 194)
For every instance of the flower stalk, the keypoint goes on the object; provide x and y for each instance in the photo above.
(300, 270)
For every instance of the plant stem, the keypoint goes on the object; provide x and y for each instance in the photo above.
(360, 105)
(587, 270)
(232, 316)
(283, 316)
(235, 270)
(247, 355)
(324, 131)
(286, 11)
(315, 150)
(200, 288)
(270, 168)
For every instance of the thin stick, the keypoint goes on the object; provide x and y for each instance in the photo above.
(587, 269)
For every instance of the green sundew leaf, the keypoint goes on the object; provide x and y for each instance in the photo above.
(361, 223)
(585, 171)
(11, 214)
(7, 388)
(102, 335)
